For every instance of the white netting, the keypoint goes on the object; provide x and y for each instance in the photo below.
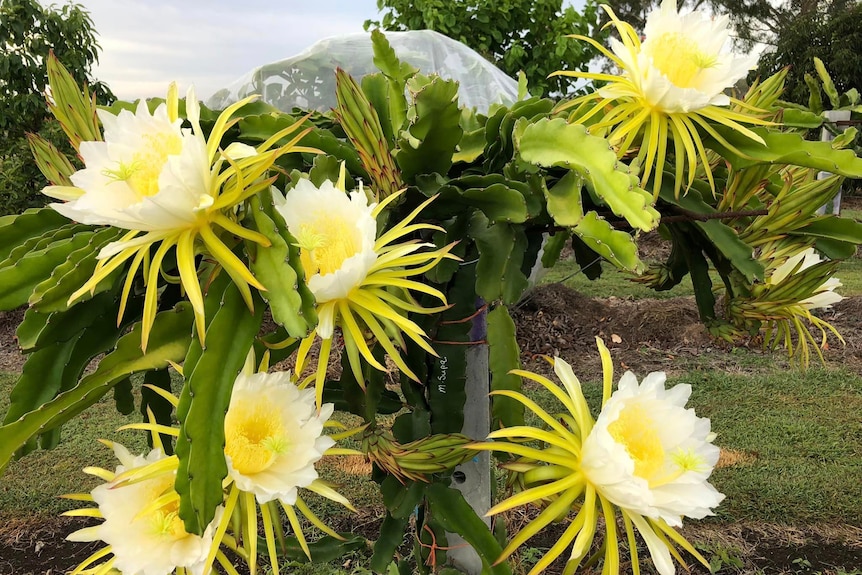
(307, 80)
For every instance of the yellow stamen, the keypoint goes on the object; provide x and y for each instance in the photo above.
(254, 436)
(680, 59)
(636, 431)
(325, 243)
(142, 173)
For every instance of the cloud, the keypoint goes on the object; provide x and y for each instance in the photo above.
(208, 43)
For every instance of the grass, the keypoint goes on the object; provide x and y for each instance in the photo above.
(796, 436)
(30, 487)
(618, 283)
(612, 282)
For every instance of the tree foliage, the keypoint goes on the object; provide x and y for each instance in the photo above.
(517, 35)
(831, 32)
(754, 21)
(30, 32)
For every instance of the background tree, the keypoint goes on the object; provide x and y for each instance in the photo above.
(517, 35)
(28, 32)
(831, 32)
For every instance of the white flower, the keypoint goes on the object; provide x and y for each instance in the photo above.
(824, 296)
(650, 455)
(274, 436)
(336, 233)
(143, 539)
(148, 174)
(682, 65)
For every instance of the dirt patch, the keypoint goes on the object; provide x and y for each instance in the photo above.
(39, 546)
(11, 358)
(643, 335)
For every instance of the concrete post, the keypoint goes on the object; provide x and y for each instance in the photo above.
(473, 478)
(833, 207)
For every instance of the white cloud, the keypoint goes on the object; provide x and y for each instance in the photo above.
(208, 43)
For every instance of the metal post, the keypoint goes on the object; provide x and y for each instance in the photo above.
(473, 478)
(833, 207)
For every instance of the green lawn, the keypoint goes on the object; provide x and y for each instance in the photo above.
(797, 436)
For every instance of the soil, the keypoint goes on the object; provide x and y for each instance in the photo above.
(643, 335)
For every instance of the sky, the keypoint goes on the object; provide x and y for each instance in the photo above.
(147, 44)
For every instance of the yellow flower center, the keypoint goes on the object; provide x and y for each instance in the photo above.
(636, 431)
(680, 58)
(254, 437)
(141, 174)
(165, 521)
(325, 243)
(688, 460)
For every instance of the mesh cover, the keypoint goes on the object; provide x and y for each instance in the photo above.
(308, 79)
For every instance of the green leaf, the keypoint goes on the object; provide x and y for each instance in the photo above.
(40, 381)
(499, 127)
(698, 267)
(20, 279)
(472, 143)
(794, 118)
(39, 330)
(587, 258)
(53, 293)
(434, 128)
(554, 247)
(276, 270)
(447, 374)
(169, 341)
(412, 425)
(504, 356)
(203, 404)
(617, 247)
(387, 61)
(785, 148)
(392, 110)
(828, 84)
(388, 404)
(815, 100)
(556, 143)
(123, 398)
(725, 238)
(564, 201)
(401, 499)
(832, 227)
(362, 402)
(391, 537)
(68, 341)
(835, 249)
(378, 89)
(17, 228)
(456, 516)
(498, 202)
(501, 252)
(260, 128)
(323, 550)
(161, 408)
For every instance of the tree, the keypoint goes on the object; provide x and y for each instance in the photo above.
(754, 21)
(517, 35)
(28, 33)
(831, 33)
